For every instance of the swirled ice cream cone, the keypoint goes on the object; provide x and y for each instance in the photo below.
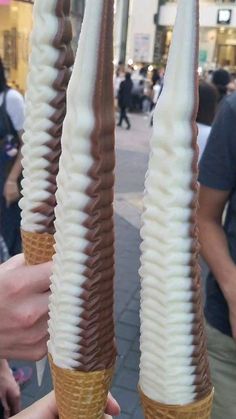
(81, 325)
(49, 73)
(174, 370)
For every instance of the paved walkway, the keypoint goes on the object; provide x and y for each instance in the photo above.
(132, 157)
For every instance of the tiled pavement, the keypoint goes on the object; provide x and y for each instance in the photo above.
(132, 156)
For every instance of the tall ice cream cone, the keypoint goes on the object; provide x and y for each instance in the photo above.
(81, 327)
(174, 370)
(49, 72)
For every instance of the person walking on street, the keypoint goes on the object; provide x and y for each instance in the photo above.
(11, 126)
(218, 247)
(125, 99)
(221, 79)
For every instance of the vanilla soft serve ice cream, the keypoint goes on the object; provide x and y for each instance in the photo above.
(174, 368)
(50, 59)
(81, 347)
(81, 306)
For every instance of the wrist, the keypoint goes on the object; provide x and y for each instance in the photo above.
(11, 181)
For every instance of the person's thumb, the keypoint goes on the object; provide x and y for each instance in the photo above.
(43, 409)
(112, 407)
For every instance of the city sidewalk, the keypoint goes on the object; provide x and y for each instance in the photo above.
(131, 165)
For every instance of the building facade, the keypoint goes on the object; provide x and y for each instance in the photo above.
(149, 27)
(142, 33)
(15, 28)
(217, 31)
(135, 30)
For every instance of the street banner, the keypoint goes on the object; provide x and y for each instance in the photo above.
(141, 47)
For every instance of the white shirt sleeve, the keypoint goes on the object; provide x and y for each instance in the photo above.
(15, 108)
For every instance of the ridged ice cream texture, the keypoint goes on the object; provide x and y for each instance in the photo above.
(40, 93)
(167, 374)
(72, 197)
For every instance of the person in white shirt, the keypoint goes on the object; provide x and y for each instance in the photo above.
(11, 128)
(208, 99)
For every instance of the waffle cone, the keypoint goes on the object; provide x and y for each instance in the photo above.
(198, 410)
(81, 395)
(38, 247)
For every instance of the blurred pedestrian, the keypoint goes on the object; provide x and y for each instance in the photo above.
(4, 255)
(9, 392)
(147, 103)
(221, 79)
(208, 97)
(125, 99)
(208, 76)
(155, 77)
(11, 126)
(218, 246)
(137, 95)
(118, 78)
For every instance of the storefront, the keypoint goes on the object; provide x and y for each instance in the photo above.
(217, 32)
(15, 26)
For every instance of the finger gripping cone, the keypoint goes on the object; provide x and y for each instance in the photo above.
(199, 410)
(38, 247)
(81, 395)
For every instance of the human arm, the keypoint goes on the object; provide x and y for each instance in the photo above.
(9, 390)
(15, 111)
(46, 409)
(24, 294)
(11, 188)
(214, 245)
(218, 180)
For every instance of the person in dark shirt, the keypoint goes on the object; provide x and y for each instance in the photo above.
(221, 79)
(217, 230)
(125, 99)
(11, 129)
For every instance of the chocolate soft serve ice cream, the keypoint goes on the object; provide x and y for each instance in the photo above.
(49, 73)
(174, 370)
(81, 327)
